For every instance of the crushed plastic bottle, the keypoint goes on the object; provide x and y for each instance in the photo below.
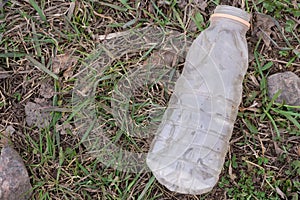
(189, 149)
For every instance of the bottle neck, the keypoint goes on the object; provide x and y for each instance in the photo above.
(229, 24)
(234, 16)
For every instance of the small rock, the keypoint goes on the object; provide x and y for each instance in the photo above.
(289, 85)
(14, 179)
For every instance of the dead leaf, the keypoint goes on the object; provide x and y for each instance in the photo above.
(63, 62)
(201, 4)
(10, 130)
(68, 73)
(35, 116)
(192, 27)
(182, 4)
(277, 149)
(263, 26)
(231, 174)
(3, 73)
(46, 90)
(162, 57)
(63, 129)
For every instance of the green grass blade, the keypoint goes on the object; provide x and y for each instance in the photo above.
(293, 120)
(150, 182)
(12, 55)
(251, 127)
(125, 3)
(289, 116)
(38, 10)
(114, 6)
(286, 112)
(178, 18)
(36, 42)
(160, 12)
(273, 123)
(41, 67)
(267, 66)
(269, 105)
(198, 20)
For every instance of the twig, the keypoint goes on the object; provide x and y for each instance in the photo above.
(283, 62)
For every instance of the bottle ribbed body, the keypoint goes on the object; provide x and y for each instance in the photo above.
(189, 148)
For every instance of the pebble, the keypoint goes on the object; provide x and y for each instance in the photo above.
(289, 85)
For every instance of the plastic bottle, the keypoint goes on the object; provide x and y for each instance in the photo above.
(189, 148)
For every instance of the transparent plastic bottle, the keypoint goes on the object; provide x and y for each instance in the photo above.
(189, 148)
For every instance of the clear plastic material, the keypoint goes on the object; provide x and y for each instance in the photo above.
(189, 148)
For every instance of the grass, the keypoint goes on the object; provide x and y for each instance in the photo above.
(263, 160)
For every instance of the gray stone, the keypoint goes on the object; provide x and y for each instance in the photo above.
(14, 179)
(289, 85)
